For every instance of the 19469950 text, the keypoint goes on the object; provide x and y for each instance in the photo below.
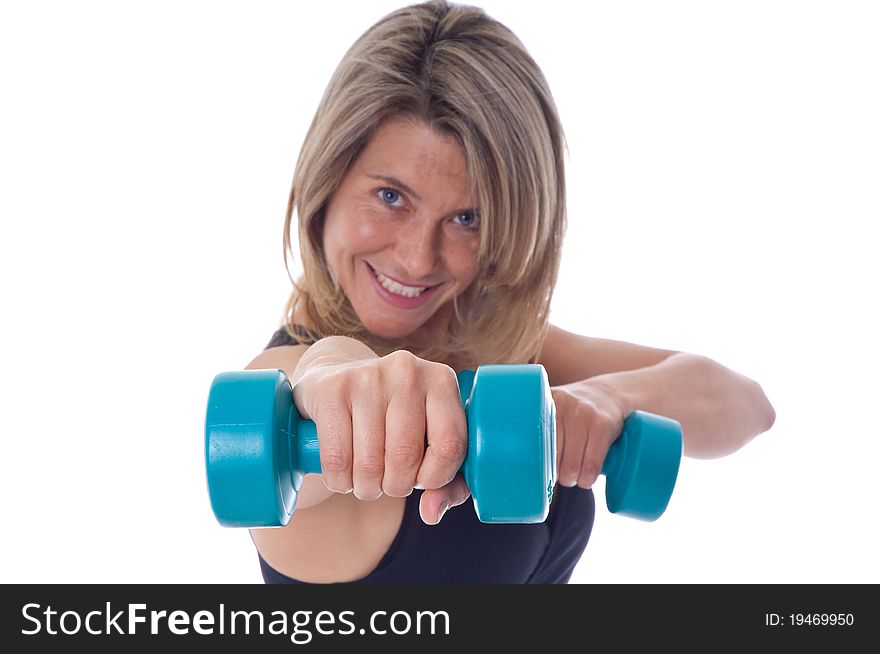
(809, 620)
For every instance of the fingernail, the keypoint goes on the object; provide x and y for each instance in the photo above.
(443, 508)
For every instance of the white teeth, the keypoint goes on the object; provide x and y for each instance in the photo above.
(399, 289)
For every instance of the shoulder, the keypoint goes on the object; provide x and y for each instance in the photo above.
(279, 356)
(570, 357)
(292, 335)
(284, 349)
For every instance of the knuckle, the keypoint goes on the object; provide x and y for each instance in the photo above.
(335, 460)
(450, 450)
(370, 466)
(590, 469)
(585, 414)
(445, 377)
(402, 365)
(365, 379)
(405, 455)
(571, 461)
(570, 400)
(441, 371)
(401, 370)
(560, 396)
(603, 422)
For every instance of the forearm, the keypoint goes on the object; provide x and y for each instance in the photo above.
(719, 409)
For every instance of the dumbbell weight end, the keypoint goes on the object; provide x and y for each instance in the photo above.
(642, 465)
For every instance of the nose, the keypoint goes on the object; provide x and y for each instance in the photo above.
(417, 249)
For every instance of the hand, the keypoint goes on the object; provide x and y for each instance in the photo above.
(373, 419)
(589, 417)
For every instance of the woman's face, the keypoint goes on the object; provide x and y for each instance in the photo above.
(402, 231)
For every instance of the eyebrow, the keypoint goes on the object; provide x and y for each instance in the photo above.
(393, 181)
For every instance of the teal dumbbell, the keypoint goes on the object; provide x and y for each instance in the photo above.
(257, 449)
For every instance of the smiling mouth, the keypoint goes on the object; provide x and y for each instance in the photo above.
(398, 289)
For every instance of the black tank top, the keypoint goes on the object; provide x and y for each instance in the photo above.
(461, 549)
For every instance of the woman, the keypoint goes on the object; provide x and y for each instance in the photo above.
(430, 199)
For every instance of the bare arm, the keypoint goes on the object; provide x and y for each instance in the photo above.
(719, 409)
(598, 382)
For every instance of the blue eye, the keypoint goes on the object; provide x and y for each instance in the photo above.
(389, 196)
(469, 220)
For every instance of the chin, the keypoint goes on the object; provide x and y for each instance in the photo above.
(390, 330)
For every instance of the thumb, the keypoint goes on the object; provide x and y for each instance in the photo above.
(435, 501)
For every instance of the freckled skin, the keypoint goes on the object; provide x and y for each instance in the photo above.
(425, 236)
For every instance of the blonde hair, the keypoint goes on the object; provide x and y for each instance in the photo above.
(468, 76)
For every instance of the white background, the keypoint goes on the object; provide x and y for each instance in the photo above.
(723, 170)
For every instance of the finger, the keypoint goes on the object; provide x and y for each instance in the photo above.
(602, 432)
(368, 445)
(574, 441)
(446, 433)
(404, 442)
(333, 427)
(435, 502)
